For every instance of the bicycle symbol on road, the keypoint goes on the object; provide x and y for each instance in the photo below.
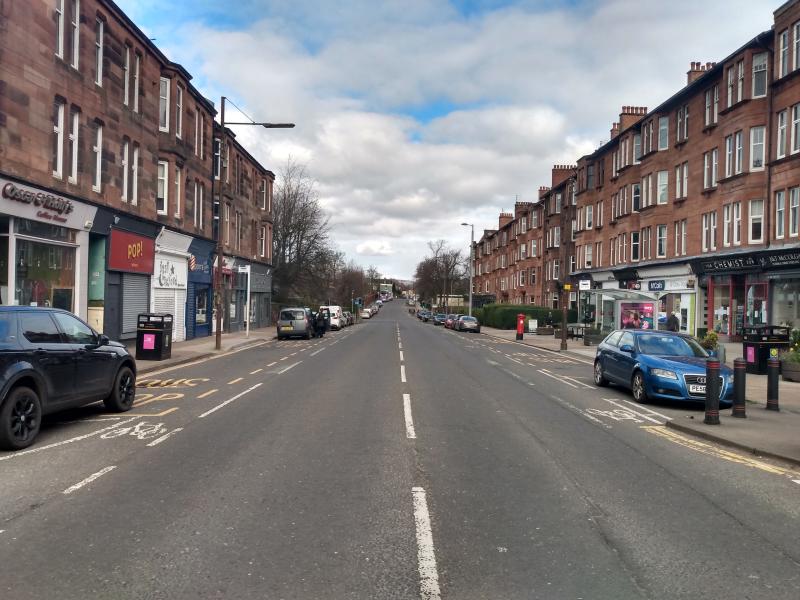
(618, 414)
(142, 431)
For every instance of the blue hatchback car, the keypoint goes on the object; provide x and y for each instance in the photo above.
(657, 364)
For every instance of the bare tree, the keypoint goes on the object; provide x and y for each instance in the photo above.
(440, 274)
(303, 257)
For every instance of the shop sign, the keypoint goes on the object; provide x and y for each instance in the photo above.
(131, 253)
(630, 284)
(656, 285)
(677, 284)
(170, 273)
(198, 266)
(41, 205)
(744, 263)
(789, 258)
(584, 285)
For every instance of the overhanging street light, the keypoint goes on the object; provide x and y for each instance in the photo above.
(220, 249)
(471, 261)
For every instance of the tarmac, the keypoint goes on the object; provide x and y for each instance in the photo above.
(764, 432)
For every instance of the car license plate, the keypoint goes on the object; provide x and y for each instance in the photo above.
(286, 328)
(695, 388)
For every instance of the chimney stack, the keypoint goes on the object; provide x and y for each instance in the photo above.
(629, 116)
(697, 70)
(561, 173)
(505, 219)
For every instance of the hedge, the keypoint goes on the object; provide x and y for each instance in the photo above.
(504, 316)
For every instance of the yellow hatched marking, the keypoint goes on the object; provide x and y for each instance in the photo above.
(706, 448)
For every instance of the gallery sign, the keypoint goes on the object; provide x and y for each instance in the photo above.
(36, 204)
(131, 253)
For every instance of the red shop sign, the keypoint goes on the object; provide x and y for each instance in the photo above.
(131, 253)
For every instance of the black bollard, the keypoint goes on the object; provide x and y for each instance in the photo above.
(712, 391)
(773, 368)
(739, 375)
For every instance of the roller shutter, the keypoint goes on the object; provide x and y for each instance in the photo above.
(135, 300)
(173, 302)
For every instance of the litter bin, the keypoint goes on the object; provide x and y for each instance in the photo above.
(153, 336)
(762, 342)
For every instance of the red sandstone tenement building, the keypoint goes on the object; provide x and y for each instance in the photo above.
(109, 171)
(691, 207)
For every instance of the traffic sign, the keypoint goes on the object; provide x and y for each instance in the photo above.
(358, 301)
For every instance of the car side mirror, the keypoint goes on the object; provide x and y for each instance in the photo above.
(100, 341)
(626, 348)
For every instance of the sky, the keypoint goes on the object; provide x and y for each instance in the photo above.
(414, 116)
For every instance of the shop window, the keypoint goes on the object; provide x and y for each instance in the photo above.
(45, 275)
(201, 308)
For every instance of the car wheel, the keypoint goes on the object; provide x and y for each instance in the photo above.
(123, 392)
(637, 386)
(599, 378)
(20, 419)
(307, 336)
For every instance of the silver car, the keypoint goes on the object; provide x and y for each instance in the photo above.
(466, 323)
(294, 322)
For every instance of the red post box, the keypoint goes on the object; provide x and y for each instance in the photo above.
(520, 325)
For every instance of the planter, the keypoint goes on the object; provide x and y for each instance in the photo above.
(790, 370)
(544, 331)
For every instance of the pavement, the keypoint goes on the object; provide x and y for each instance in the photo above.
(393, 459)
(763, 432)
(203, 347)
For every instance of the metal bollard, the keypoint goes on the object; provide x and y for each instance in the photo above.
(739, 375)
(712, 391)
(773, 367)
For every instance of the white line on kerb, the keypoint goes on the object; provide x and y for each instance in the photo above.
(88, 480)
(410, 433)
(401, 356)
(402, 373)
(69, 441)
(157, 441)
(426, 558)
(228, 401)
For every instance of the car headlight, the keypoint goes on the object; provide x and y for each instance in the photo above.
(664, 374)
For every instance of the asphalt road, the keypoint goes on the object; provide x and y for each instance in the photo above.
(393, 459)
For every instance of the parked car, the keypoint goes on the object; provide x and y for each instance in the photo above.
(439, 319)
(294, 322)
(366, 313)
(467, 323)
(657, 364)
(450, 321)
(335, 313)
(51, 360)
(348, 318)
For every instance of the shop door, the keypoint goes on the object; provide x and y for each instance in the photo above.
(174, 303)
(757, 304)
(135, 300)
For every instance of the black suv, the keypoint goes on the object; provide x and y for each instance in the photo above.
(51, 360)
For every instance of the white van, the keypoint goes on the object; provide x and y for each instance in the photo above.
(337, 318)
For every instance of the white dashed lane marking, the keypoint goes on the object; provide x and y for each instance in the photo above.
(88, 480)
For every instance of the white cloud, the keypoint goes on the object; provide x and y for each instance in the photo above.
(526, 86)
(374, 248)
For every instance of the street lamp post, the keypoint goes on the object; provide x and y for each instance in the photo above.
(220, 248)
(471, 261)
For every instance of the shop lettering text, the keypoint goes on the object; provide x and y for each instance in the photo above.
(167, 277)
(59, 205)
(135, 250)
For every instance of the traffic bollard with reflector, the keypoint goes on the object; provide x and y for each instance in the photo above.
(773, 368)
(739, 379)
(712, 392)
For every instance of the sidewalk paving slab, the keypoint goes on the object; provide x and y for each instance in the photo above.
(200, 348)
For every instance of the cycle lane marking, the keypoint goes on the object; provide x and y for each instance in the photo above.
(89, 479)
(229, 400)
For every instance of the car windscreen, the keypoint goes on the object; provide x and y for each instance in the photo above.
(669, 345)
(292, 315)
(470, 319)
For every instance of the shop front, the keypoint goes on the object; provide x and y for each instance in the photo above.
(200, 292)
(737, 291)
(130, 266)
(44, 248)
(234, 294)
(260, 294)
(169, 279)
